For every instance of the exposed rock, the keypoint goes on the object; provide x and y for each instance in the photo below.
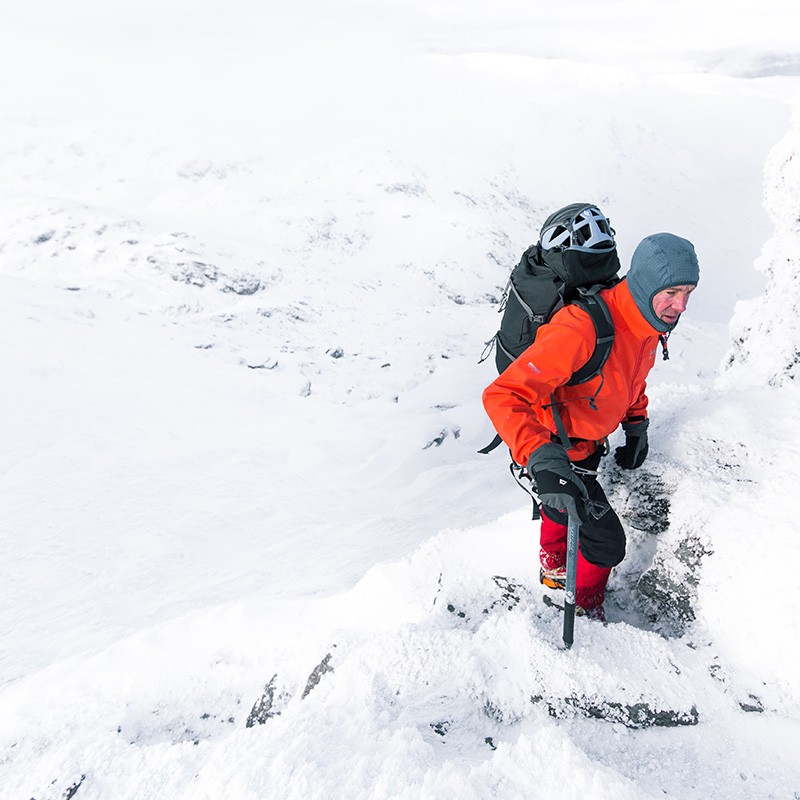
(263, 709)
(316, 676)
(635, 716)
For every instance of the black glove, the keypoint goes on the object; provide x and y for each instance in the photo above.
(557, 485)
(633, 454)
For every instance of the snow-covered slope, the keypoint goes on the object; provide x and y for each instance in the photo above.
(248, 264)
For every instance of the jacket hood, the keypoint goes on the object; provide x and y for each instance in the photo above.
(660, 261)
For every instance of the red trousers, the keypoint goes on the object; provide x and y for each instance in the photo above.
(590, 585)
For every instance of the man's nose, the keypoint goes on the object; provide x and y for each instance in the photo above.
(679, 303)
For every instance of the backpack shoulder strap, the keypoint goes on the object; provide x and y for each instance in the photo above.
(596, 308)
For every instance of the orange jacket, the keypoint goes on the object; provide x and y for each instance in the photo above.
(517, 402)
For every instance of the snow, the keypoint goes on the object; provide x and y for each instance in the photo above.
(249, 258)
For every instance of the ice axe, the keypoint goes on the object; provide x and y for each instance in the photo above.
(569, 587)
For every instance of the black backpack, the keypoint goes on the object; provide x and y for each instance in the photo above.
(549, 277)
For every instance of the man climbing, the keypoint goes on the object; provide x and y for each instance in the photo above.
(559, 431)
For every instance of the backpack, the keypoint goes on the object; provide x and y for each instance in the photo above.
(573, 260)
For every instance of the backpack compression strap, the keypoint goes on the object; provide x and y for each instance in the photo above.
(596, 308)
(496, 442)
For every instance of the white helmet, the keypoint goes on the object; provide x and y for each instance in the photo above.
(579, 226)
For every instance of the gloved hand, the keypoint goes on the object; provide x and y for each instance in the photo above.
(557, 485)
(633, 454)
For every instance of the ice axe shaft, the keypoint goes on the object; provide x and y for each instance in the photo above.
(569, 588)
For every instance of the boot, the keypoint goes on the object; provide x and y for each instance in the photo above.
(555, 578)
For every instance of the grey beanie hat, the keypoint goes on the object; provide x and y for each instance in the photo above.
(660, 261)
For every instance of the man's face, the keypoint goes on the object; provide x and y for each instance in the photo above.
(670, 303)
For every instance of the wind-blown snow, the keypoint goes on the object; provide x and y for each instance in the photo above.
(248, 263)
(766, 330)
